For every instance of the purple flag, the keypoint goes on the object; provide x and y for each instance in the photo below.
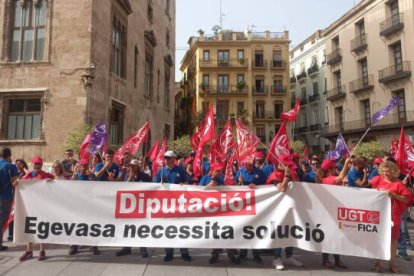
(99, 138)
(384, 112)
(331, 155)
(340, 150)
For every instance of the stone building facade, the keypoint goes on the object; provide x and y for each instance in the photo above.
(64, 63)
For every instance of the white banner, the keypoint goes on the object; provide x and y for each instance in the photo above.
(312, 217)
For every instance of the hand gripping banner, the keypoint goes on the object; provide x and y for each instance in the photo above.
(312, 217)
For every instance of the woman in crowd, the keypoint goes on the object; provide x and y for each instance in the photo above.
(22, 167)
(400, 197)
(58, 170)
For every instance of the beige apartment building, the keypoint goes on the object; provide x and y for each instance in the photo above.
(242, 74)
(63, 63)
(369, 57)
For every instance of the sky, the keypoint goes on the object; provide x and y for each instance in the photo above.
(300, 17)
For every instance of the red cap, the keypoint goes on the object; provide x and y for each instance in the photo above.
(216, 166)
(189, 160)
(259, 155)
(378, 160)
(37, 159)
(248, 160)
(286, 159)
(327, 165)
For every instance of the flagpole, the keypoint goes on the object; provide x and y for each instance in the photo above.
(360, 140)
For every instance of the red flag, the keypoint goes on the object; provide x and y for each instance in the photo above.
(9, 219)
(400, 155)
(152, 154)
(195, 139)
(84, 153)
(394, 145)
(223, 144)
(306, 153)
(291, 115)
(279, 146)
(158, 162)
(247, 141)
(206, 135)
(133, 143)
(228, 174)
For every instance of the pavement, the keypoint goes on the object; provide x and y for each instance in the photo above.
(58, 262)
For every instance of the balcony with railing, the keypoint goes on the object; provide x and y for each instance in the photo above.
(361, 84)
(302, 76)
(206, 90)
(222, 117)
(293, 80)
(278, 90)
(259, 64)
(336, 93)
(395, 72)
(313, 70)
(303, 100)
(265, 115)
(359, 43)
(260, 90)
(334, 57)
(226, 63)
(315, 127)
(314, 98)
(278, 64)
(301, 129)
(392, 25)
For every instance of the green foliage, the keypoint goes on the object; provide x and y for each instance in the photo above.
(75, 137)
(181, 145)
(369, 150)
(298, 146)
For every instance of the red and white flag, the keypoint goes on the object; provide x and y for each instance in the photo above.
(133, 143)
(279, 146)
(159, 160)
(404, 155)
(306, 153)
(152, 153)
(196, 137)
(247, 141)
(223, 144)
(291, 115)
(207, 135)
(84, 153)
(394, 145)
(228, 173)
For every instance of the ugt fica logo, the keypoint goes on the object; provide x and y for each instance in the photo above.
(362, 220)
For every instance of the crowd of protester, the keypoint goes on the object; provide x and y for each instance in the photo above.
(382, 174)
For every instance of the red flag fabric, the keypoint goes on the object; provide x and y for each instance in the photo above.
(223, 144)
(195, 139)
(84, 153)
(228, 174)
(394, 145)
(9, 219)
(247, 141)
(306, 153)
(400, 155)
(158, 162)
(291, 115)
(207, 135)
(133, 143)
(279, 146)
(152, 154)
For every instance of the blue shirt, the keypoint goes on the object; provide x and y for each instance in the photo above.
(353, 175)
(373, 173)
(310, 176)
(142, 177)
(205, 180)
(206, 167)
(114, 169)
(174, 176)
(82, 177)
(267, 169)
(7, 171)
(257, 176)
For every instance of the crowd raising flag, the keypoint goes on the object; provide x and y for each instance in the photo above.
(195, 139)
(247, 141)
(207, 135)
(404, 154)
(84, 153)
(223, 145)
(99, 138)
(385, 111)
(133, 143)
(152, 154)
(290, 116)
(279, 146)
(341, 149)
(158, 162)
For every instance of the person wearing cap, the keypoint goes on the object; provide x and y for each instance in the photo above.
(259, 162)
(135, 174)
(36, 173)
(284, 173)
(82, 173)
(172, 174)
(328, 175)
(189, 172)
(8, 179)
(358, 175)
(375, 167)
(215, 177)
(109, 170)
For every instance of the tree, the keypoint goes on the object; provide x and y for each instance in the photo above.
(298, 146)
(181, 145)
(369, 150)
(75, 138)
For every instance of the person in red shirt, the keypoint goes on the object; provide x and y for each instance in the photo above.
(328, 174)
(388, 182)
(36, 173)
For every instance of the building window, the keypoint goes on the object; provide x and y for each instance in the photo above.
(167, 38)
(24, 119)
(315, 88)
(278, 110)
(260, 110)
(259, 85)
(223, 57)
(222, 110)
(367, 111)
(338, 80)
(363, 65)
(240, 78)
(401, 107)
(360, 28)
(261, 132)
(206, 80)
(116, 124)
(136, 67)
(240, 55)
(335, 43)
(149, 63)
(167, 78)
(397, 57)
(326, 116)
(258, 59)
(167, 6)
(28, 30)
(223, 84)
(119, 48)
(205, 107)
(150, 12)
(206, 55)
(167, 131)
(240, 109)
(277, 58)
(339, 117)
